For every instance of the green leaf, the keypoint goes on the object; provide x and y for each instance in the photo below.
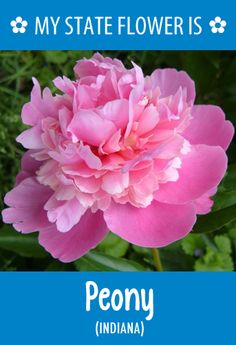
(94, 261)
(229, 182)
(192, 242)
(232, 235)
(215, 220)
(226, 195)
(232, 232)
(141, 250)
(217, 258)
(193, 62)
(224, 199)
(223, 244)
(113, 245)
(24, 245)
(176, 260)
(214, 262)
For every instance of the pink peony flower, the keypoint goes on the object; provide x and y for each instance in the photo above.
(120, 151)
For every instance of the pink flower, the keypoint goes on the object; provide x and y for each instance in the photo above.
(120, 151)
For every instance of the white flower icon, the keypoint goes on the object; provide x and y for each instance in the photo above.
(18, 25)
(217, 25)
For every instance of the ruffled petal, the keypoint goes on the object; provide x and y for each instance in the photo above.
(169, 80)
(26, 203)
(65, 213)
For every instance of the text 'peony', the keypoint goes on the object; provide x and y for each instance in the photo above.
(120, 151)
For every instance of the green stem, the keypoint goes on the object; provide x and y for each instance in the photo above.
(157, 259)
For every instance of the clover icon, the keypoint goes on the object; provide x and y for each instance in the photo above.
(218, 25)
(19, 25)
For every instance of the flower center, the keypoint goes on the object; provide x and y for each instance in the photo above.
(131, 140)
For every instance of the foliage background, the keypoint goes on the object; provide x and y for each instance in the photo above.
(211, 246)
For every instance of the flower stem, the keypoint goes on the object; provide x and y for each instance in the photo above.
(157, 259)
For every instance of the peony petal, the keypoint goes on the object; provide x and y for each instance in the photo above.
(112, 145)
(66, 214)
(148, 120)
(26, 203)
(85, 68)
(204, 204)
(134, 98)
(28, 165)
(97, 65)
(209, 127)
(64, 84)
(117, 111)
(89, 127)
(80, 239)
(202, 169)
(169, 80)
(87, 185)
(89, 157)
(31, 111)
(86, 97)
(31, 138)
(154, 226)
(115, 182)
(41, 105)
(108, 88)
(168, 149)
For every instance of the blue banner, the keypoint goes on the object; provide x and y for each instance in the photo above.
(171, 25)
(100, 308)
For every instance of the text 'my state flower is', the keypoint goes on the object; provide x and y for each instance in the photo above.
(120, 151)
